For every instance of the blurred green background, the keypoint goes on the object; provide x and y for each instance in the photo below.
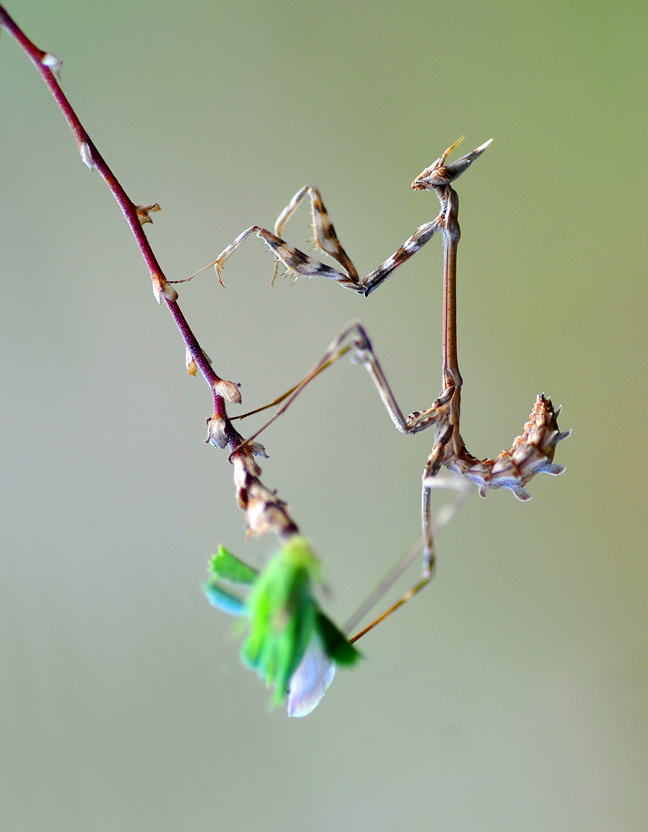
(512, 694)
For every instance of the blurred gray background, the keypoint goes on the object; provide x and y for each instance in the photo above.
(512, 694)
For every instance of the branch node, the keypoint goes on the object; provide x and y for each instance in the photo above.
(53, 63)
(229, 390)
(192, 367)
(217, 432)
(143, 212)
(86, 154)
(162, 290)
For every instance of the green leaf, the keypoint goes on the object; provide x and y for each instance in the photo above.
(224, 566)
(336, 645)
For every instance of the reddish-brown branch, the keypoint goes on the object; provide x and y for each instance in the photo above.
(86, 146)
(265, 511)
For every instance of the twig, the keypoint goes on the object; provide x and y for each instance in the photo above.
(265, 512)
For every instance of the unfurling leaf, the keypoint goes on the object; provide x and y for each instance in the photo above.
(225, 566)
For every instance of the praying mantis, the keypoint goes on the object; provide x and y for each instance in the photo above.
(531, 453)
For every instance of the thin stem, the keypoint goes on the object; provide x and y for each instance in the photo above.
(87, 147)
(94, 159)
(251, 493)
(191, 342)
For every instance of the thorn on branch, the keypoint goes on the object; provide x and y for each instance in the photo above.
(162, 290)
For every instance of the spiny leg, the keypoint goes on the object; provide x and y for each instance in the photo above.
(432, 525)
(326, 239)
(419, 238)
(295, 261)
(354, 338)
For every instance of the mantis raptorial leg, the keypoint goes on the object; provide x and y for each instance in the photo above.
(325, 237)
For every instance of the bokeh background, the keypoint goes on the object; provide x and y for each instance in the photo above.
(513, 693)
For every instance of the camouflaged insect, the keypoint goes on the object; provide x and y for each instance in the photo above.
(531, 453)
